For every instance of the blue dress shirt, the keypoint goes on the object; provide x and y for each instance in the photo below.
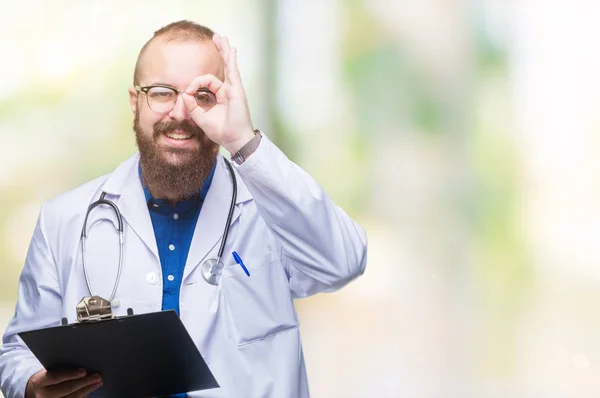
(174, 226)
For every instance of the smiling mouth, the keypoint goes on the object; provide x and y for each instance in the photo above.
(178, 135)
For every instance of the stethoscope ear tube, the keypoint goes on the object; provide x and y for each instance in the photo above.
(99, 202)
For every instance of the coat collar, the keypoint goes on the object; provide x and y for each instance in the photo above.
(124, 187)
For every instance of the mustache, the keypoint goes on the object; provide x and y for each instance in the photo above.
(172, 125)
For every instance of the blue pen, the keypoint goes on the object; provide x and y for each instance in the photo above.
(238, 260)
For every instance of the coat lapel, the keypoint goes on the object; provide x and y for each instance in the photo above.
(125, 182)
(126, 185)
(213, 216)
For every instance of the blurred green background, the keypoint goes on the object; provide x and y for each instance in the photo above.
(463, 135)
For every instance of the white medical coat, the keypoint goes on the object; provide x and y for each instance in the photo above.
(293, 239)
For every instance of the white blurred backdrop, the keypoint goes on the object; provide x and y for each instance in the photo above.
(462, 134)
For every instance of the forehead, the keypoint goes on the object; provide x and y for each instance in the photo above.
(177, 63)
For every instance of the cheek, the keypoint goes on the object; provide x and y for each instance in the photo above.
(148, 119)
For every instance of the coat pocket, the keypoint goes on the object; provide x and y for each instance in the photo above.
(260, 305)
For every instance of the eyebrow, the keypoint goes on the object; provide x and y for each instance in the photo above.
(204, 89)
(161, 84)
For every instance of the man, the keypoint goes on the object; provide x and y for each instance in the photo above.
(174, 198)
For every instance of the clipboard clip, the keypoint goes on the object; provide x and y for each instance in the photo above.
(94, 308)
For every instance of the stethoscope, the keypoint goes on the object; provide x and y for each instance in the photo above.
(211, 268)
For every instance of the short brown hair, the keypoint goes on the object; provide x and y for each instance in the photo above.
(180, 30)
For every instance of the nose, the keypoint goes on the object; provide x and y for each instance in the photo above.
(179, 112)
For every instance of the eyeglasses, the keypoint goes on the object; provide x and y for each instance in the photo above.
(162, 99)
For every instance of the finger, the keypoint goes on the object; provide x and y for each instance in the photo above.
(83, 392)
(191, 106)
(224, 51)
(68, 387)
(233, 71)
(222, 44)
(209, 81)
(225, 46)
(217, 41)
(57, 377)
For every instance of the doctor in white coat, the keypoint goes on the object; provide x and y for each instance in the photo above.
(293, 239)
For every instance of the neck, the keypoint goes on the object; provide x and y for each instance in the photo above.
(158, 193)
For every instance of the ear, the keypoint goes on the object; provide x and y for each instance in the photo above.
(133, 99)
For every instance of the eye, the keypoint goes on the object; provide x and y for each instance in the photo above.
(205, 98)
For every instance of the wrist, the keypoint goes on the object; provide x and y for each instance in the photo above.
(236, 145)
(248, 149)
(29, 393)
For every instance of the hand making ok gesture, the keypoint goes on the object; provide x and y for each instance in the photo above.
(228, 122)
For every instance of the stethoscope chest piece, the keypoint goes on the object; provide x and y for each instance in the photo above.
(211, 271)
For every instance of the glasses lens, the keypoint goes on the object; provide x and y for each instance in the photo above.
(161, 99)
(205, 98)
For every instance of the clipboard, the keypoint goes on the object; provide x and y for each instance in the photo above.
(144, 355)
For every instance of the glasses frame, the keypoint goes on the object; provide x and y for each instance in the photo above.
(145, 89)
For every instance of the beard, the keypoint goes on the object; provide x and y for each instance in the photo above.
(183, 176)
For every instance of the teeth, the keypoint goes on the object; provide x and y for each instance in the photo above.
(177, 136)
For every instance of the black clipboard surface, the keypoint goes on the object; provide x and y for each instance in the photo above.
(143, 355)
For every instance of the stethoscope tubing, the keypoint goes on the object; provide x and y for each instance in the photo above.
(103, 201)
(231, 209)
